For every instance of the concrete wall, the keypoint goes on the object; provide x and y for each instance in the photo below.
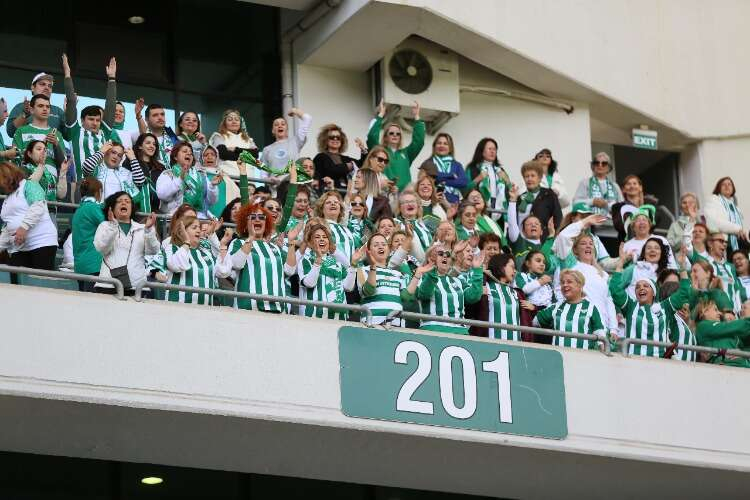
(217, 388)
(521, 128)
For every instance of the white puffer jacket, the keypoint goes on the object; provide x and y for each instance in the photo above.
(115, 245)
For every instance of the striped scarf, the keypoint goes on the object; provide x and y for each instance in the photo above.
(444, 165)
(735, 217)
(595, 191)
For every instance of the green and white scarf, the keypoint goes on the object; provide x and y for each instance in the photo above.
(595, 191)
(493, 187)
(193, 186)
(735, 217)
(443, 165)
(526, 200)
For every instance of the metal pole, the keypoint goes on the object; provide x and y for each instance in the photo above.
(119, 288)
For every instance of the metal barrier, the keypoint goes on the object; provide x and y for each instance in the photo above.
(625, 343)
(254, 296)
(119, 288)
(601, 339)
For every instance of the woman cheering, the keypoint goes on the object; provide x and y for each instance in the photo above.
(185, 183)
(724, 215)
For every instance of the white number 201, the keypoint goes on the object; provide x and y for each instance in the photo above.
(498, 366)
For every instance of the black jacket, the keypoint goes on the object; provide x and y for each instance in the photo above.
(546, 206)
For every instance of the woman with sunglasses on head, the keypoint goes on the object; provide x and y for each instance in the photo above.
(259, 263)
(598, 191)
(321, 276)
(367, 184)
(186, 183)
(551, 177)
(377, 160)
(440, 294)
(332, 166)
(430, 198)
(723, 214)
(488, 177)
(382, 288)
(445, 169)
(401, 158)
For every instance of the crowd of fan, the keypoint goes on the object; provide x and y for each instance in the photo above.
(454, 242)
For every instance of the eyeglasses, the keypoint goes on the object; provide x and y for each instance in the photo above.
(443, 253)
(723, 242)
(395, 133)
(256, 217)
(358, 204)
(382, 160)
(595, 163)
(334, 137)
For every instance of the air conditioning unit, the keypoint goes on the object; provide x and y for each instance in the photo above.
(418, 70)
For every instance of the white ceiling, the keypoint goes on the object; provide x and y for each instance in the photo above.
(285, 4)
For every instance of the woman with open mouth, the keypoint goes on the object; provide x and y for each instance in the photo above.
(645, 317)
(652, 261)
(331, 208)
(321, 277)
(707, 286)
(185, 183)
(530, 235)
(359, 224)
(574, 313)
(441, 294)
(409, 213)
(466, 221)
(383, 289)
(582, 219)
(188, 263)
(583, 259)
(641, 224)
(724, 269)
(484, 221)
(259, 262)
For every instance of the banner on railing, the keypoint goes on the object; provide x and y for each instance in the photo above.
(451, 382)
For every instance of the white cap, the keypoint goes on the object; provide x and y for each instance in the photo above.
(41, 76)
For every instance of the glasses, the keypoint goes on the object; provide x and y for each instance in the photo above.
(334, 137)
(395, 133)
(256, 217)
(723, 242)
(595, 163)
(443, 253)
(273, 209)
(358, 204)
(382, 160)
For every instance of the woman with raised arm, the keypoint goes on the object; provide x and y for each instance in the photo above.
(430, 198)
(260, 264)
(108, 166)
(724, 270)
(707, 286)
(680, 230)
(188, 263)
(367, 184)
(54, 183)
(488, 177)
(232, 139)
(723, 214)
(641, 224)
(286, 147)
(574, 313)
(441, 294)
(28, 234)
(401, 158)
(124, 243)
(645, 317)
(331, 208)
(714, 331)
(551, 177)
(580, 220)
(186, 183)
(321, 276)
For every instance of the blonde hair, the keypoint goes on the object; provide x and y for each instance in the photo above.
(577, 276)
(371, 182)
(694, 196)
(580, 238)
(223, 130)
(409, 191)
(385, 134)
(322, 201)
(187, 221)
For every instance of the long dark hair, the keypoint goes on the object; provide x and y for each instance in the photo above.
(153, 165)
(497, 265)
(478, 157)
(663, 258)
(552, 162)
(226, 215)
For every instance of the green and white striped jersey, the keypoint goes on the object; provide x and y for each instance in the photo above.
(443, 295)
(27, 133)
(649, 321)
(387, 296)
(329, 286)
(343, 238)
(504, 307)
(263, 273)
(85, 143)
(48, 180)
(728, 276)
(193, 267)
(680, 332)
(420, 230)
(583, 317)
(357, 227)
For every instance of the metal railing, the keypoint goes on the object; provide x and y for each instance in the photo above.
(624, 345)
(602, 340)
(253, 296)
(119, 288)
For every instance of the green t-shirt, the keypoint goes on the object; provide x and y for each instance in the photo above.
(27, 133)
(84, 224)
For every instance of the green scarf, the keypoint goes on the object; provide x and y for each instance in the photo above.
(595, 191)
(735, 217)
(527, 199)
(193, 186)
(48, 181)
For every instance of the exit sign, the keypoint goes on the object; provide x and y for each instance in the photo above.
(644, 139)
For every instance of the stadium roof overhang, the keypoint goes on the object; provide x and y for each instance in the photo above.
(359, 33)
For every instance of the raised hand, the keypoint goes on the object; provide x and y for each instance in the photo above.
(110, 215)
(478, 260)
(51, 138)
(65, 65)
(594, 220)
(415, 110)
(551, 228)
(544, 279)
(129, 153)
(421, 270)
(26, 106)
(217, 179)
(111, 69)
(215, 225)
(360, 144)
(227, 238)
(63, 168)
(201, 137)
(381, 108)
(513, 193)
(473, 240)
(140, 103)
(150, 221)
(293, 233)
(183, 233)
(242, 167)
(295, 112)
(359, 254)
(623, 254)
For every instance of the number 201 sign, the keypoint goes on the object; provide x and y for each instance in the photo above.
(451, 382)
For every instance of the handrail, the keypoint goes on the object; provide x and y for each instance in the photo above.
(254, 296)
(601, 339)
(119, 288)
(625, 342)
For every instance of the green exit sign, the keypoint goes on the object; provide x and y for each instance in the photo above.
(645, 139)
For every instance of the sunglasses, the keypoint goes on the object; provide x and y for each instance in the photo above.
(382, 160)
(273, 209)
(443, 253)
(394, 133)
(256, 217)
(724, 242)
(358, 204)
(595, 163)
(334, 137)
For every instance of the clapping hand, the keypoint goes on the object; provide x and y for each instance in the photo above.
(478, 260)
(150, 221)
(359, 254)
(513, 193)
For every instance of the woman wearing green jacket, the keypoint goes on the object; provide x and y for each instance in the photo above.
(401, 158)
(86, 219)
(713, 332)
